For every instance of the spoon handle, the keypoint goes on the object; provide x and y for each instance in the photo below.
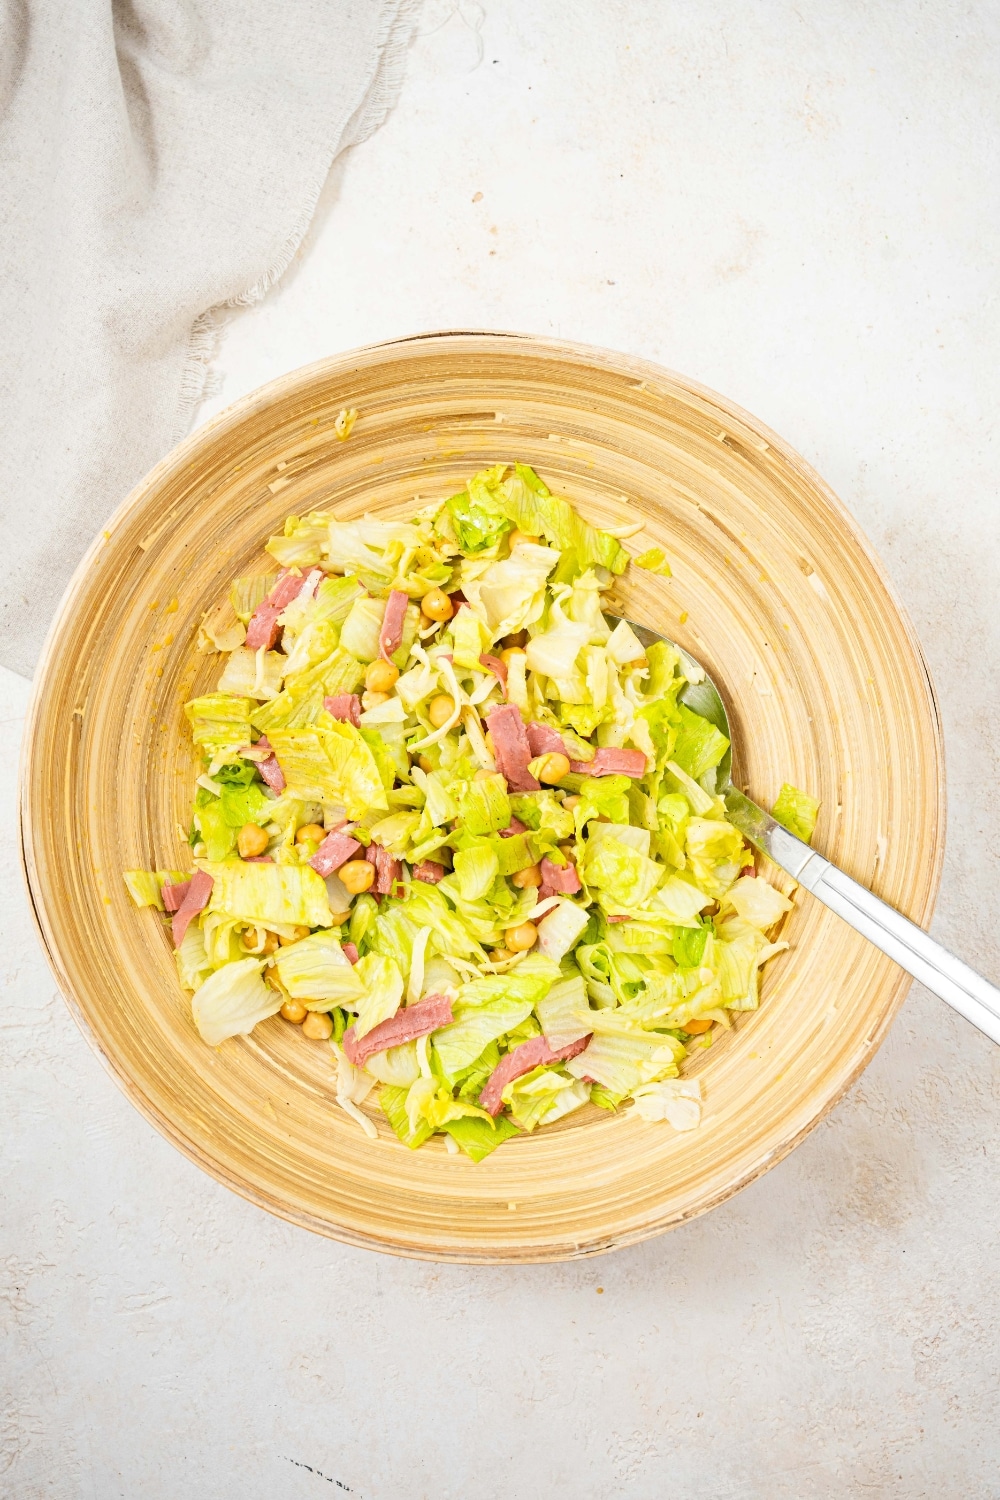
(941, 972)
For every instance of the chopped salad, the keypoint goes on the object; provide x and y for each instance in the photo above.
(459, 826)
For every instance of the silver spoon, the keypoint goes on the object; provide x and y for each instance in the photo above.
(907, 944)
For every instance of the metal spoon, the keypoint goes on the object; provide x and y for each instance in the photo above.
(906, 943)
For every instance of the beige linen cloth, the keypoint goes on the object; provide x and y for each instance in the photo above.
(158, 159)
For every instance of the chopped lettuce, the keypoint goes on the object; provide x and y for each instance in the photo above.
(634, 889)
(796, 811)
(271, 895)
(232, 1001)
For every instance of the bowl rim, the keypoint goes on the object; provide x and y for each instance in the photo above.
(178, 456)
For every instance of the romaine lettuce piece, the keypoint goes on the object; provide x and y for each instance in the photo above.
(193, 963)
(699, 746)
(532, 1096)
(484, 806)
(537, 512)
(627, 877)
(220, 722)
(622, 1063)
(715, 853)
(511, 591)
(397, 1065)
(680, 900)
(254, 674)
(270, 895)
(317, 971)
(393, 1101)
(382, 990)
(476, 869)
(331, 764)
(247, 593)
(232, 1000)
(457, 1046)
(796, 811)
(303, 543)
(301, 700)
(479, 523)
(476, 1138)
(561, 1013)
(560, 928)
(756, 902)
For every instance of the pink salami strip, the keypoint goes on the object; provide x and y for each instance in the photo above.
(530, 1054)
(619, 919)
(288, 587)
(173, 895)
(387, 869)
(558, 880)
(428, 1015)
(258, 859)
(514, 827)
(612, 763)
(429, 871)
(544, 740)
(350, 952)
(495, 665)
(269, 769)
(511, 749)
(263, 629)
(198, 891)
(344, 706)
(391, 635)
(334, 851)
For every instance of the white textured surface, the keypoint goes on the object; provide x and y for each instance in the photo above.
(798, 206)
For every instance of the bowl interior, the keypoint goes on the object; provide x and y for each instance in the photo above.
(772, 588)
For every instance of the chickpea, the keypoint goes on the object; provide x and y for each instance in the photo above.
(425, 763)
(338, 918)
(253, 938)
(531, 876)
(639, 662)
(298, 933)
(483, 775)
(310, 833)
(294, 1011)
(436, 605)
(551, 767)
(358, 875)
(381, 676)
(373, 700)
(507, 655)
(519, 939)
(569, 849)
(518, 538)
(570, 802)
(440, 709)
(517, 638)
(695, 1028)
(317, 1026)
(499, 955)
(251, 840)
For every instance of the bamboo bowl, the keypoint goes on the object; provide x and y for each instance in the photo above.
(773, 589)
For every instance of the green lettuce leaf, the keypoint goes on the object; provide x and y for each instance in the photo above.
(562, 1012)
(331, 764)
(193, 963)
(796, 811)
(476, 1025)
(621, 872)
(393, 1102)
(232, 1000)
(531, 1097)
(476, 869)
(382, 990)
(537, 512)
(699, 746)
(317, 970)
(220, 722)
(484, 806)
(269, 895)
(479, 523)
(477, 1138)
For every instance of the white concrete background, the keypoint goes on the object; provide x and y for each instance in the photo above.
(796, 204)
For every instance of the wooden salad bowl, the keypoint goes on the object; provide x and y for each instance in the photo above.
(774, 589)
